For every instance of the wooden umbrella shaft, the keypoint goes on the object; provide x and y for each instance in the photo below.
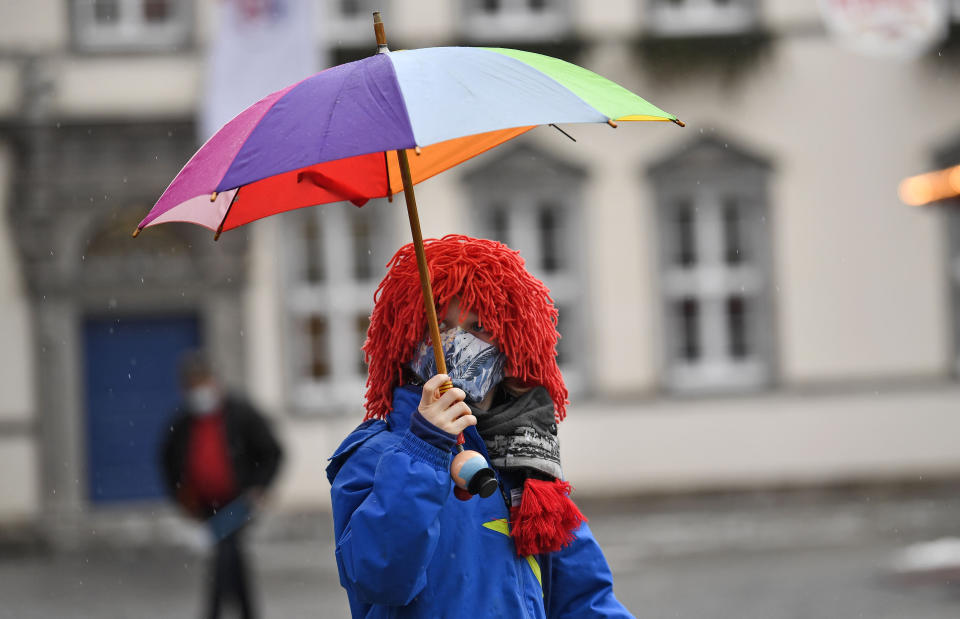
(425, 286)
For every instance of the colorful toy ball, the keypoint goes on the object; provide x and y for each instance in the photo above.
(472, 475)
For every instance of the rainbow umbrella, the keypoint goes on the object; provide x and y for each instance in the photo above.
(334, 136)
(343, 133)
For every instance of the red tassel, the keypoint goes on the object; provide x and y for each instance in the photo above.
(545, 519)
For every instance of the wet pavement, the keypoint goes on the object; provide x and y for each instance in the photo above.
(783, 556)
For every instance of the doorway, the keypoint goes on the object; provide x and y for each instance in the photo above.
(132, 390)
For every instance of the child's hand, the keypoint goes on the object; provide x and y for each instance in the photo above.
(448, 411)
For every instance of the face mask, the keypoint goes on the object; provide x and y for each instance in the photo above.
(203, 400)
(472, 364)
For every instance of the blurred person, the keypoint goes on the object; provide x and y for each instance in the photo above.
(408, 541)
(219, 460)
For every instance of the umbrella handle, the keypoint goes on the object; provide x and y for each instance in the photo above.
(428, 303)
(486, 473)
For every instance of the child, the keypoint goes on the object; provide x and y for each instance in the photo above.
(407, 544)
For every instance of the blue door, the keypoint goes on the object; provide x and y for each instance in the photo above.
(131, 393)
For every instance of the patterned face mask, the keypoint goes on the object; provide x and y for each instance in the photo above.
(472, 364)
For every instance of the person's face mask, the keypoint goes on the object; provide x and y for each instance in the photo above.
(472, 364)
(203, 400)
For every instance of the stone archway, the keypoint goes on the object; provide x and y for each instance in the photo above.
(82, 189)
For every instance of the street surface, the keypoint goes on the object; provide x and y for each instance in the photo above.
(810, 556)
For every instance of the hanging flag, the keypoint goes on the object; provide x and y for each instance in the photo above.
(258, 47)
(888, 28)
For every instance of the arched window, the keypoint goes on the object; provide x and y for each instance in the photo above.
(715, 273)
(335, 256)
(530, 201)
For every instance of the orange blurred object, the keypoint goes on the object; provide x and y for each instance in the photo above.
(931, 187)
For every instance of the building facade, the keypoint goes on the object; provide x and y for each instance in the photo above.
(744, 302)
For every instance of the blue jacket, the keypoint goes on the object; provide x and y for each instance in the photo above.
(407, 547)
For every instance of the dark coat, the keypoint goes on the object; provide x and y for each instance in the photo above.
(254, 452)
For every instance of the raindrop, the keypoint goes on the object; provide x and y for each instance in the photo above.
(124, 179)
(58, 124)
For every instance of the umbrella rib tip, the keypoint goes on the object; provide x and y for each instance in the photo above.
(678, 122)
(136, 232)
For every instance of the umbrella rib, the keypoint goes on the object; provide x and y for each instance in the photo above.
(386, 167)
(563, 132)
(216, 237)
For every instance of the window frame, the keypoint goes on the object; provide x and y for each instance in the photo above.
(518, 183)
(663, 18)
(338, 296)
(352, 31)
(135, 35)
(514, 24)
(706, 176)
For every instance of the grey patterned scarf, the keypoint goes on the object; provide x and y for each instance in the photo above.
(521, 433)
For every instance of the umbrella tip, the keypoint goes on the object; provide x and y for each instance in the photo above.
(136, 232)
(611, 123)
(380, 32)
(679, 122)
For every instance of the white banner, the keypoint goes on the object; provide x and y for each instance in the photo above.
(258, 47)
(887, 28)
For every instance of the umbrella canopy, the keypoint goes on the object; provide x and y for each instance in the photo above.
(333, 136)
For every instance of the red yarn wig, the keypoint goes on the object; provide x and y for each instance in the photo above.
(488, 278)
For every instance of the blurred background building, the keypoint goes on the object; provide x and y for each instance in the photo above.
(745, 303)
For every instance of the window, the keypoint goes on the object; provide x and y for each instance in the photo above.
(123, 25)
(715, 272)
(952, 208)
(349, 23)
(515, 20)
(946, 156)
(682, 18)
(334, 259)
(530, 201)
